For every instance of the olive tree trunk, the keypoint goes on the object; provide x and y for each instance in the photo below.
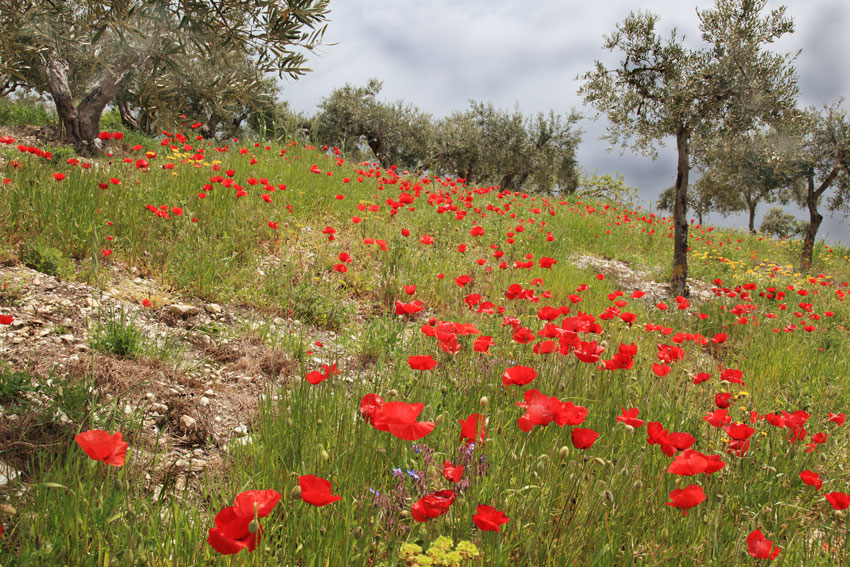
(679, 275)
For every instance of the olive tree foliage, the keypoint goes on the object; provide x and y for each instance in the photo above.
(484, 144)
(781, 224)
(83, 52)
(219, 93)
(396, 133)
(743, 169)
(661, 89)
(701, 198)
(822, 161)
(608, 187)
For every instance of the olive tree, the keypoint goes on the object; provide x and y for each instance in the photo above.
(662, 89)
(82, 52)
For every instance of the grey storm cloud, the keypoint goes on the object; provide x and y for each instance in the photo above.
(439, 54)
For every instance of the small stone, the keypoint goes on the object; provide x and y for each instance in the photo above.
(204, 401)
(214, 308)
(188, 422)
(241, 429)
(161, 408)
(183, 310)
(66, 338)
(92, 302)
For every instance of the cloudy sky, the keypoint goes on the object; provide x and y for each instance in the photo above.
(439, 54)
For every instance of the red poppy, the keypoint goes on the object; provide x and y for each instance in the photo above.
(701, 377)
(629, 417)
(661, 370)
(812, 479)
(6, 319)
(432, 505)
(410, 289)
(838, 418)
(452, 472)
(408, 308)
(101, 446)
(518, 375)
(686, 498)
(583, 438)
(692, 462)
(369, 406)
(483, 344)
(316, 491)
(236, 527)
(399, 419)
(422, 362)
(316, 377)
(760, 547)
(543, 410)
(723, 400)
(489, 519)
(472, 428)
(838, 500)
(58, 176)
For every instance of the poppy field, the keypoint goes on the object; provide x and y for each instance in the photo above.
(510, 385)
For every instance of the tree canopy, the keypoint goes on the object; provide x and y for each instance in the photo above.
(84, 52)
(661, 89)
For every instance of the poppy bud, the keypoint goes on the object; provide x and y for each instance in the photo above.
(608, 496)
(393, 393)
(637, 485)
(483, 402)
(564, 452)
(324, 455)
(357, 533)
(254, 526)
(443, 390)
(295, 493)
(405, 514)
(319, 422)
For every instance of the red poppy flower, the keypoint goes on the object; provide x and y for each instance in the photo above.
(661, 370)
(369, 406)
(518, 375)
(701, 377)
(543, 410)
(422, 362)
(432, 505)
(838, 418)
(723, 400)
(408, 308)
(812, 479)
(692, 462)
(399, 419)
(101, 446)
(58, 176)
(629, 417)
(236, 527)
(489, 519)
(410, 289)
(6, 319)
(483, 344)
(472, 428)
(838, 500)
(316, 491)
(316, 377)
(760, 547)
(452, 472)
(686, 498)
(583, 438)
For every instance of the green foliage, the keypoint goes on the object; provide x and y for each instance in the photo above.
(779, 223)
(13, 384)
(486, 145)
(117, 334)
(46, 259)
(396, 133)
(606, 187)
(25, 109)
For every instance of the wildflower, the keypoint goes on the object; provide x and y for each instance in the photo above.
(101, 446)
(238, 526)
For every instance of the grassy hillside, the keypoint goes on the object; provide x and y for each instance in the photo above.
(344, 272)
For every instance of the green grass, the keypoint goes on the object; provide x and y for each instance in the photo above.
(601, 506)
